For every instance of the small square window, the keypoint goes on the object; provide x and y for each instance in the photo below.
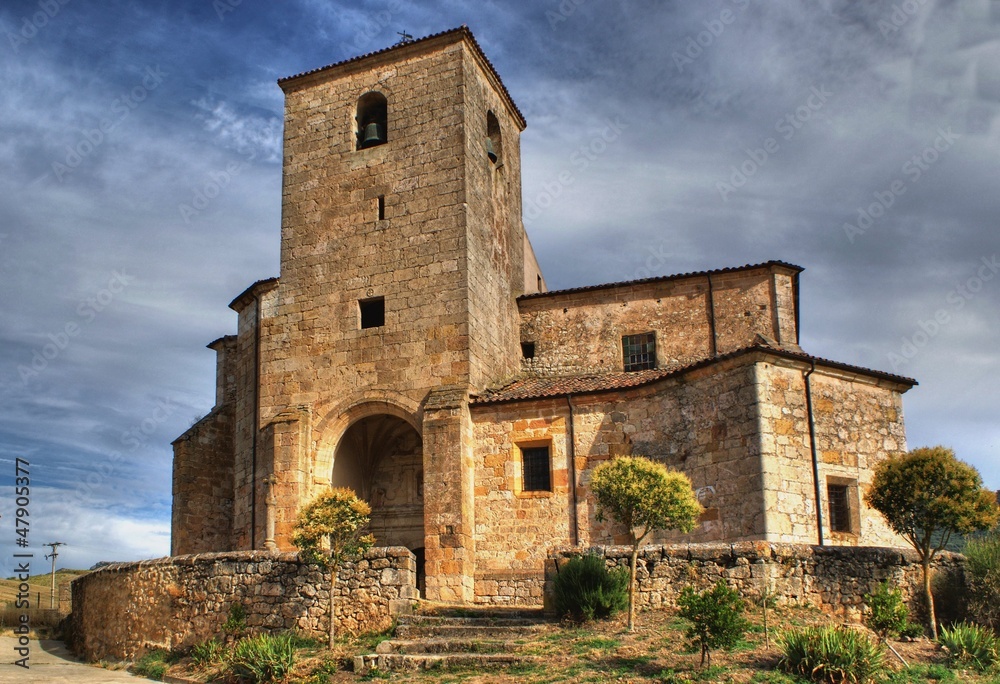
(372, 312)
(528, 350)
(536, 469)
(838, 496)
(639, 351)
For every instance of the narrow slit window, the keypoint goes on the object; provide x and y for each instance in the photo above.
(639, 351)
(381, 207)
(838, 496)
(372, 312)
(536, 469)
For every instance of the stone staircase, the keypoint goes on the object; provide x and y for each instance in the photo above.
(440, 636)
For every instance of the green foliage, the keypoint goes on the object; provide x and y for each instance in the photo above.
(832, 654)
(207, 653)
(236, 622)
(153, 665)
(922, 674)
(716, 616)
(927, 496)
(889, 615)
(970, 645)
(982, 565)
(644, 496)
(262, 658)
(328, 530)
(585, 589)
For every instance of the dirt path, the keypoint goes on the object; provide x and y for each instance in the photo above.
(51, 663)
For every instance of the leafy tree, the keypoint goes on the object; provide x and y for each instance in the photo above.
(717, 618)
(926, 496)
(645, 496)
(328, 532)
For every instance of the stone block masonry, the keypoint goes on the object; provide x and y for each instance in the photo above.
(124, 609)
(831, 578)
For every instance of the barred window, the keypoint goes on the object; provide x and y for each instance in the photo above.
(639, 351)
(536, 469)
(840, 507)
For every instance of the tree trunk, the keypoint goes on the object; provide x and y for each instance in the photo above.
(631, 587)
(929, 597)
(333, 621)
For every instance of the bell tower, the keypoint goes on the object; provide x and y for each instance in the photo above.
(402, 255)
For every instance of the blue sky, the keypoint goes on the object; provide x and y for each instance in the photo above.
(858, 140)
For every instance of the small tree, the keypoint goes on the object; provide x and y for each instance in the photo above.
(644, 496)
(887, 614)
(716, 616)
(329, 532)
(926, 496)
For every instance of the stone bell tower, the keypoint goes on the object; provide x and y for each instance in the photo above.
(402, 254)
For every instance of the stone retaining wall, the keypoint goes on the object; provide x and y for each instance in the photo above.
(831, 578)
(123, 609)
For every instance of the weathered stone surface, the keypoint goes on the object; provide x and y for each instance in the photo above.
(124, 609)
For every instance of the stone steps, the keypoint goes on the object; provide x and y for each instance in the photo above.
(450, 637)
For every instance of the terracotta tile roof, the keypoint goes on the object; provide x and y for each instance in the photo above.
(560, 386)
(239, 302)
(660, 279)
(463, 29)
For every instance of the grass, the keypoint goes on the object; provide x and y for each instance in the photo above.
(41, 586)
(605, 652)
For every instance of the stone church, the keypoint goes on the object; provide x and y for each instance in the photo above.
(411, 350)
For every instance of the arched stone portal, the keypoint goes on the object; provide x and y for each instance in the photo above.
(381, 458)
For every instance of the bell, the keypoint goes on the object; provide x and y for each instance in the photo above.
(373, 135)
(490, 152)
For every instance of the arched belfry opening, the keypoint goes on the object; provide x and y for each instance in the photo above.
(494, 141)
(372, 120)
(380, 457)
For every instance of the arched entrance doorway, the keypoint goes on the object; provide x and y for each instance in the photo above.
(380, 457)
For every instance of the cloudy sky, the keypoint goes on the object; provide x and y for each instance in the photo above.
(858, 140)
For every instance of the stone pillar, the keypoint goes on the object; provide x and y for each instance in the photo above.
(271, 502)
(449, 506)
(284, 452)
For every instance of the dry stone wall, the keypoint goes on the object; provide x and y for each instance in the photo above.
(125, 609)
(831, 578)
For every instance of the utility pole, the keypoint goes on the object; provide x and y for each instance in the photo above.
(53, 556)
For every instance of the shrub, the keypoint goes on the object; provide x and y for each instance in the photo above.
(263, 658)
(153, 665)
(982, 562)
(207, 653)
(970, 645)
(832, 654)
(889, 614)
(585, 589)
(237, 620)
(717, 618)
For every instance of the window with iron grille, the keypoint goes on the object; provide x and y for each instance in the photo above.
(536, 470)
(838, 496)
(639, 351)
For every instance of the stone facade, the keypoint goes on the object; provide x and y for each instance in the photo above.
(410, 350)
(125, 609)
(833, 579)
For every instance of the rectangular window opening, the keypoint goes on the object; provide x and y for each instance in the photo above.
(381, 207)
(372, 312)
(639, 351)
(838, 496)
(528, 350)
(536, 469)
